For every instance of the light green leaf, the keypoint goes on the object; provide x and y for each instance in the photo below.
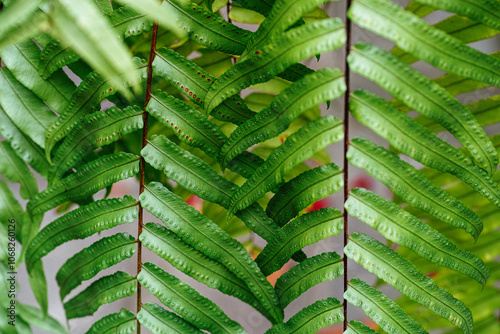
(426, 97)
(417, 142)
(410, 185)
(37, 318)
(105, 290)
(295, 45)
(303, 190)
(209, 239)
(381, 309)
(186, 301)
(298, 147)
(317, 269)
(171, 248)
(243, 15)
(156, 318)
(314, 89)
(80, 224)
(123, 322)
(15, 170)
(95, 130)
(424, 41)
(89, 179)
(87, 263)
(402, 275)
(323, 313)
(26, 110)
(302, 231)
(356, 327)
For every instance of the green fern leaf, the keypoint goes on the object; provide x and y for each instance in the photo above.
(296, 72)
(284, 13)
(85, 100)
(25, 148)
(125, 22)
(400, 227)
(323, 313)
(105, 290)
(209, 239)
(424, 41)
(304, 230)
(15, 17)
(186, 301)
(23, 61)
(188, 170)
(303, 190)
(89, 179)
(207, 28)
(122, 322)
(314, 89)
(168, 246)
(26, 111)
(317, 269)
(15, 170)
(298, 147)
(486, 11)
(386, 313)
(410, 185)
(185, 76)
(82, 223)
(93, 131)
(158, 320)
(295, 45)
(38, 284)
(263, 7)
(401, 274)
(9, 206)
(356, 327)
(90, 261)
(417, 142)
(37, 318)
(245, 164)
(426, 97)
(196, 129)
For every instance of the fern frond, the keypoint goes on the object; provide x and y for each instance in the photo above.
(39, 319)
(207, 28)
(82, 223)
(303, 190)
(89, 179)
(323, 313)
(122, 322)
(95, 130)
(486, 11)
(417, 142)
(402, 275)
(159, 320)
(9, 206)
(105, 290)
(23, 145)
(185, 76)
(87, 263)
(188, 170)
(209, 239)
(410, 185)
(196, 129)
(298, 147)
(426, 97)
(26, 110)
(186, 301)
(284, 13)
(424, 41)
(15, 170)
(86, 98)
(356, 327)
(168, 246)
(304, 230)
(398, 226)
(23, 61)
(317, 269)
(15, 16)
(295, 45)
(314, 89)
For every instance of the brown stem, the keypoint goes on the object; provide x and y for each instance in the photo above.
(346, 142)
(143, 163)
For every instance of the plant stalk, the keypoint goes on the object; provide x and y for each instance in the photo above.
(143, 163)
(346, 143)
